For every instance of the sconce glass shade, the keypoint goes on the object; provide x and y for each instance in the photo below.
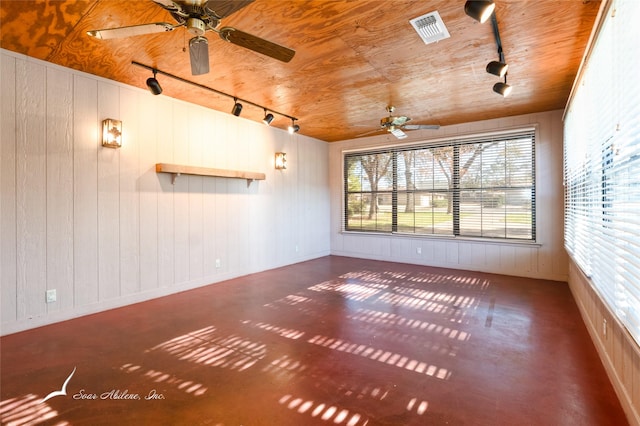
(497, 68)
(237, 109)
(479, 10)
(281, 160)
(154, 86)
(502, 88)
(111, 133)
(267, 119)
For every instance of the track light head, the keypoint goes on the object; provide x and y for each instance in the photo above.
(502, 88)
(479, 10)
(237, 108)
(268, 118)
(497, 68)
(293, 127)
(153, 85)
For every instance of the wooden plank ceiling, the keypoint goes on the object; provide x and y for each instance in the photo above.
(353, 58)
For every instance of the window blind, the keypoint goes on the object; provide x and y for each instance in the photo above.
(477, 187)
(602, 165)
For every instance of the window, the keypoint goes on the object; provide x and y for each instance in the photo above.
(601, 164)
(482, 187)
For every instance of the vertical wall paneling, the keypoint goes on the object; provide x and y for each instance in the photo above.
(101, 227)
(109, 160)
(148, 134)
(617, 349)
(181, 138)
(59, 167)
(85, 190)
(197, 139)
(31, 197)
(164, 138)
(130, 193)
(211, 126)
(8, 271)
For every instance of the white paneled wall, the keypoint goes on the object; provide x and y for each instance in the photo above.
(100, 227)
(546, 259)
(618, 351)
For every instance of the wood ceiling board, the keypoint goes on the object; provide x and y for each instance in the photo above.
(352, 59)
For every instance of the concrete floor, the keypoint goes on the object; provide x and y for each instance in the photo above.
(332, 341)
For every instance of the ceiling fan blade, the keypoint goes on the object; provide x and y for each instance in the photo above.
(222, 8)
(257, 44)
(170, 5)
(134, 30)
(199, 55)
(370, 132)
(420, 126)
(398, 133)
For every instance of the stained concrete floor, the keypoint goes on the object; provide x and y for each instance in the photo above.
(332, 341)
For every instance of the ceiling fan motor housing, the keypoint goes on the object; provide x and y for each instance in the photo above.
(196, 26)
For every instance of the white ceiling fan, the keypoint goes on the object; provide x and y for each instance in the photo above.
(198, 17)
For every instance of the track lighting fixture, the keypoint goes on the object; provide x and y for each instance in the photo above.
(155, 88)
(153, 84)
(268, 118)
(237, 107)
(497, 68)
(294, 128)
(479, 10)
(502, 88)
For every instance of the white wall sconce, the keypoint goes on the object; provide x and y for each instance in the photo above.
(111, 133)
(281, 160)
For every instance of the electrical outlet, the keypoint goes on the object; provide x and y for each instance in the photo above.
(419, 250)
(51, 296)
(218, 263)
(296, 248)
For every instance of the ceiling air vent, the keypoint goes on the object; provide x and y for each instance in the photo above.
(430, 27)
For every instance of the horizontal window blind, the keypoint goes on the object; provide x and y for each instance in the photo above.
(479, 187)
(602, 165)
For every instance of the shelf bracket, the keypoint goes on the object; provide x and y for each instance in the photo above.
(174, 176)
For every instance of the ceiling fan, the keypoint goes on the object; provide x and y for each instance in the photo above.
(198, 17)
(396, 124)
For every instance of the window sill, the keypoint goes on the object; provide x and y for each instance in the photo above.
(473, 240)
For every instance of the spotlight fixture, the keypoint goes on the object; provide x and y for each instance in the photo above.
(237, 107)
(479, 10)
(155, 88)
(497, 68)
(294, 128)
(153, 84)
(111, 133)
(502, 88)
(268, 118)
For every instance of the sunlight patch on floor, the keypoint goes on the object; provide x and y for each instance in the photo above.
(26, 410)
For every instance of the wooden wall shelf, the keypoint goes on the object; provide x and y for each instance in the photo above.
(177, 170)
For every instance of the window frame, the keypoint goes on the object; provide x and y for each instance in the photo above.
(529, 132)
